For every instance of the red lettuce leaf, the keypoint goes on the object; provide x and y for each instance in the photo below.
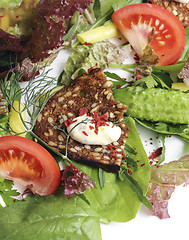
(9, 42)
(163, 181)
(50, 25)
(51, 20)
(158, 196)
(27, 68)
(75, 181)
(185, 73)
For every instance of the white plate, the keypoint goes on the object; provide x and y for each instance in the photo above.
(145, 225)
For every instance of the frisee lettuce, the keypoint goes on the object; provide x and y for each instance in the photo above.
(96, 55)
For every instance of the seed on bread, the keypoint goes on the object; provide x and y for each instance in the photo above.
(93, 92)
(181, 10)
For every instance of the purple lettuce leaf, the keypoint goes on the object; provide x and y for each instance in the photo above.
(51, 22)
(163, 181)
(9, 42)
(27, 68)
(185, 73)
(75, 181)
(50, 25)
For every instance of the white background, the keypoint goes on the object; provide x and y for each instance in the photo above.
(146, 226)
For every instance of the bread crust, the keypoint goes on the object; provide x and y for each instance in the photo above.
(92, 91)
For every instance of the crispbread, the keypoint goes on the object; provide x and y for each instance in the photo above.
(92, 91)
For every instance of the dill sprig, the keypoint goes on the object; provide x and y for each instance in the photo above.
(65, 157)
(33, 96)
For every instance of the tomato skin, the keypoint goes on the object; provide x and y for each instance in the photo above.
(136, 21)
(28, 163)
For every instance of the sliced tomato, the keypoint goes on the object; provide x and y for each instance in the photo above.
(29, 164)
(136, 22)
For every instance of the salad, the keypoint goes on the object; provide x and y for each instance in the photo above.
(57, 195)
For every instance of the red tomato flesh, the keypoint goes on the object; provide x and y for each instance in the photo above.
(29, 164)
(136, 22)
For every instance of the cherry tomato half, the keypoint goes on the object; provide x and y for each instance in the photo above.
(29, 164)
(136, 22)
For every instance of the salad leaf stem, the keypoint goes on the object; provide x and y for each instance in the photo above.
(89, 14)
(163, 150)
(72, 30)
(99, 22)
(125, 67)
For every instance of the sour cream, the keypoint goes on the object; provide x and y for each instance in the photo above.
(84, 132)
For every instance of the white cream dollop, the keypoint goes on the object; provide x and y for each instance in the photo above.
(84, 132)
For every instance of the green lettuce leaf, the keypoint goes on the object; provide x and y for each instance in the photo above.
(185, 54)
(181, 130)
(10, 3)
(97, 55)
(117, 201)
(53, 217)
(107, 4)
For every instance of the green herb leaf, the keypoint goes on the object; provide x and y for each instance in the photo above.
(82, 196)
(124, 176)
(171, 70)
(122, 3)
(101, 176)
(73, 28)
(114, 76)
(181, 130)
(163, 150)
(34, 96)
(185, 54)
(6, 191)
(148, 82)
(131, 164)
(119, 81)
(96, 8)
(130, 149)
(122, 204)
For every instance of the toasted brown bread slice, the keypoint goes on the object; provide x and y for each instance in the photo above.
(93, 92)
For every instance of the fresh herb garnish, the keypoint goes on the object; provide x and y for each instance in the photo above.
(73, 28)
(101, 177)
(6, 191)
(124, 176)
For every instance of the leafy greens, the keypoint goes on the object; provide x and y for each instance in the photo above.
(55, 216)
